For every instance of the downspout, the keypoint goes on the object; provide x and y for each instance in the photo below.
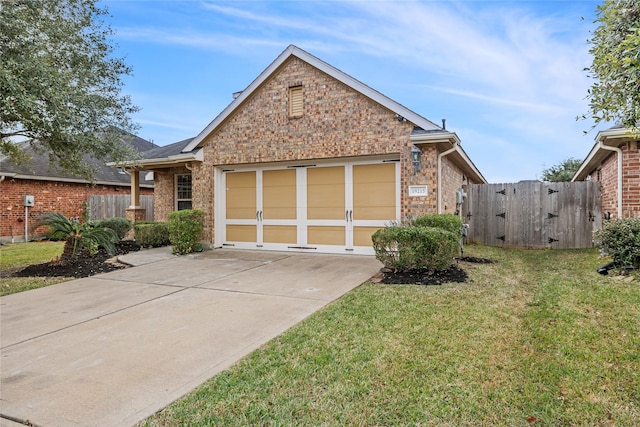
(440, 156)
(619, 151)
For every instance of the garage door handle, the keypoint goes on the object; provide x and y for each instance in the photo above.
(349, 216)
(258, 215)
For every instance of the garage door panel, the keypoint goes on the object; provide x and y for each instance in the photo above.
(241, 195)
(374, 192)
(326, 235)
(325, 193)
(279, 194)
(280, 234)
(242, 233)
(362, 235)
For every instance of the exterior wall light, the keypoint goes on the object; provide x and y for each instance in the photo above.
(415, 159)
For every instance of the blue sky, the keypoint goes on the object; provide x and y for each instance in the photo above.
(507, 75)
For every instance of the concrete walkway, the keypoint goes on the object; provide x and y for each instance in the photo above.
(112, 349)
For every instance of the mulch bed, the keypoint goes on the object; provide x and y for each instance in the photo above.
(453, 274)
(84, 265)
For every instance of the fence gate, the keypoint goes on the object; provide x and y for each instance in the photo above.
(534, 214)
(115, 205)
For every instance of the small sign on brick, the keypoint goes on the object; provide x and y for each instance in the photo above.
(418, 191)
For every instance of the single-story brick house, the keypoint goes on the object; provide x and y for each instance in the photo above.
(307, 158)
(614, 161)
(54, 190)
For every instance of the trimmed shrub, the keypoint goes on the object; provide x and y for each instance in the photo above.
(151, 234)
(449, 222)
(185, 230)
(620, 239)
(408, 248)
(121, 226)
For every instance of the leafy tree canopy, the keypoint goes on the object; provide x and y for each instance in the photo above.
(562, 172)
(60, 84)
(615, 46)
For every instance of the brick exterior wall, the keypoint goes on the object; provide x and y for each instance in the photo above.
(452, 179)
(607, 174)
(67, 198)
(631, 180)
(164, 200)
(337, 122)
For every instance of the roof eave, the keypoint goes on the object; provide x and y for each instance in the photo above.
(72, 180)
(610, 137)
(452, 139)
(164, 162)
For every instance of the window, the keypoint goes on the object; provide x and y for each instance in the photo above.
(183, 192)
(295, 101)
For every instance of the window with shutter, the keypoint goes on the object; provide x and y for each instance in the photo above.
(295, 101)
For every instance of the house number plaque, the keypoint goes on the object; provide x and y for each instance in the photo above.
(418, 191)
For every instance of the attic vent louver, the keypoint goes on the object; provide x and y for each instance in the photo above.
(295, 101)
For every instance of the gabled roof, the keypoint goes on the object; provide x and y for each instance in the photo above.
(39, 167)
(612, 137)
(293, 51)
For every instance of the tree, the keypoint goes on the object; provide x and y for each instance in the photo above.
(60, 85)
(562, 172)
(78, 235)
(615, 46)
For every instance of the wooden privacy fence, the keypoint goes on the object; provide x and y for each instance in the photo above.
(533, 214)
(115, 205)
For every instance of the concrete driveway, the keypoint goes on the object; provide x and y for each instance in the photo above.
(112, 349)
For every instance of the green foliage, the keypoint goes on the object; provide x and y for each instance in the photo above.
(562, 172)
(151, 234)
(60, 83)
(121, 226)
(615, 95)
(620, 239)
(185, 229)
(77, 235)
(406, 248)
(449, 222)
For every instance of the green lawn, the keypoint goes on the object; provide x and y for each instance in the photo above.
(17, 255)
(536, 338)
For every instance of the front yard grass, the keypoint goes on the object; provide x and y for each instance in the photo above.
(536, 338)
(18, 255)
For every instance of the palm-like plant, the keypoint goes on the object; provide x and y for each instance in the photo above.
(78, 235)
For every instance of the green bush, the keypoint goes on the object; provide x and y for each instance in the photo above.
(449, 222)
(620, 239)
(185, 230)
(121, 226)
(407, 248)
(151, 234)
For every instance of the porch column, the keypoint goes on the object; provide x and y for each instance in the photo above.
(135, 212)
(135, 189)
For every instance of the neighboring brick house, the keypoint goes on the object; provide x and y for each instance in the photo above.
(307, 158)
(55, 191)
(614, 160)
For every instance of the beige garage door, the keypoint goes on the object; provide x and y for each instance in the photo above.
(327, 208)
